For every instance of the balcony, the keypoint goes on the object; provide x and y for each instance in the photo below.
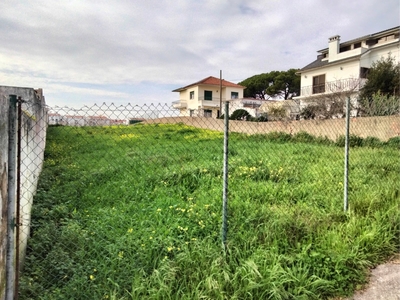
(348, 85)
(179, 104)
(206, 102)
(252, 103)
(214, 102)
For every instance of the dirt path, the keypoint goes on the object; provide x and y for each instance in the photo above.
(384, 283)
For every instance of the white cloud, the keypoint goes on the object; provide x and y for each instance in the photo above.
(147, 47)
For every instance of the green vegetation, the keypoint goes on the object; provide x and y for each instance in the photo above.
(240, 114)
(284, 84)
(380, 96)
(135, 213)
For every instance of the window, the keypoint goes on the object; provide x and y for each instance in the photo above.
(364, 72)
(191, 95)
(357, 45)
(234, 95)
(319, 84)
(191, 112)
(208, 113)
(345, 48)
(370, 43)
(207, 95)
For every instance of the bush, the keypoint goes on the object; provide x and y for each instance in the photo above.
(240, 114)
(394, 142)
(372, 142)
(277, 113)
(262, 118)
(278, 136)
(354, 141)
(380, 105)
(308, 112)
(303, 137)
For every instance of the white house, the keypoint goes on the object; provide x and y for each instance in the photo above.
(343, 67)
(202, 98)
(55, 119)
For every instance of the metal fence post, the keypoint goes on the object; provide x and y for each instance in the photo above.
(224, 230)
(18, 199)
(12, 146)
(346, 156)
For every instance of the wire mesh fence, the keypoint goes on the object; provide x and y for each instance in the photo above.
(129, 204)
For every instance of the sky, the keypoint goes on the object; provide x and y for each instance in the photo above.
(85, 52)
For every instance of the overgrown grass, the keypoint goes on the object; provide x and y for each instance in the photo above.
(135, 213)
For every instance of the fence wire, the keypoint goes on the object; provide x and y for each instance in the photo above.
(129, 203)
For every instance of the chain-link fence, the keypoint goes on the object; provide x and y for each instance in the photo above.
(138, 202)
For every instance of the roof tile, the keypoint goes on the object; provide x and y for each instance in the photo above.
(211, 81)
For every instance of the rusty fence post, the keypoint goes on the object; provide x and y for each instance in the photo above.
(11, 193)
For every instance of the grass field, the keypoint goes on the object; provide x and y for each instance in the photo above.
(135, 213)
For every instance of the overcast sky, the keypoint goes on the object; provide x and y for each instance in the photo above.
(83, 52)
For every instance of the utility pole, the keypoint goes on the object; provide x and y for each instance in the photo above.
(220, 93)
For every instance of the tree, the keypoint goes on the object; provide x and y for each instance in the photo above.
(381, 89)
(282, 84)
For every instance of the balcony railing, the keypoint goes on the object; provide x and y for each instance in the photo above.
(330, 87)
(215, 102)
(213, 99)
(179, 104)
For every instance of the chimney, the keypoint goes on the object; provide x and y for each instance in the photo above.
(334, 47)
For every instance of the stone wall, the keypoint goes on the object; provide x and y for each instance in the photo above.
(33, 133)
(383, 128)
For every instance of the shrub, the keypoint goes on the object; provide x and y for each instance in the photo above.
(394, 142)
(240, 114)
(372, 142)
(380, 105)
(303, 137)
(262, 118)
(278, 136)
(308, 112)
(354, 141)
(323, 140)
(277, 113)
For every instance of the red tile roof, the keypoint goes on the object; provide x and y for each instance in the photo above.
(211, 81)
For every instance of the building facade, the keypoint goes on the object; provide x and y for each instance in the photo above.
(341, 68)
(203, 98)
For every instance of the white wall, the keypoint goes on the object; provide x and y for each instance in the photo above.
(191, 103)
(378, 52)
(333, 72)
(33, 132)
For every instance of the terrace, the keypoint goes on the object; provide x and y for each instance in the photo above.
(338, 86)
